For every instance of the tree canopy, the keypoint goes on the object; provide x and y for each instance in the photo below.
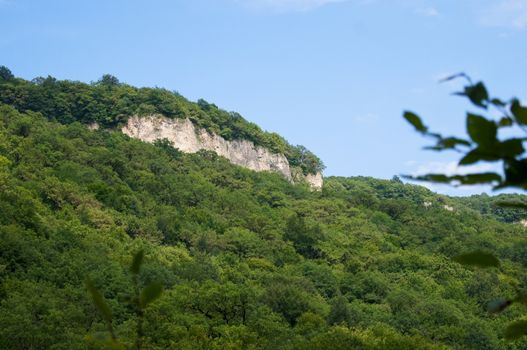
(108, 242)
(110, 103)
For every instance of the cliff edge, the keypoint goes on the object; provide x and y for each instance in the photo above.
(189, 139)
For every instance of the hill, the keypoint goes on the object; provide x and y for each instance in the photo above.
(111, 104)
(247, 259)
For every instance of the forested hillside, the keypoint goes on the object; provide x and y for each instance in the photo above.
(110, 103)
(247, 260)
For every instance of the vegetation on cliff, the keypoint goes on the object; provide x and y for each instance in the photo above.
(110, 103)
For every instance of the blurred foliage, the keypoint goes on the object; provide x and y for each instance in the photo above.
(485, 143)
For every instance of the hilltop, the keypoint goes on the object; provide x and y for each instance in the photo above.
(113, 105)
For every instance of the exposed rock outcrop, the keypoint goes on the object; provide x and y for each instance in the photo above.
(448, 207)
(93, 126)
(315, 180)
(188, 138)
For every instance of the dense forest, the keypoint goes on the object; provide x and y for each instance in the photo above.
(110, 103)
(247, 260)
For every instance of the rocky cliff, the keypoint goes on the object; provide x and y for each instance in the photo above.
(188, 138)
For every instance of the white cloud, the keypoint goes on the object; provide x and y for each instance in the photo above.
(459, 190)
(452, 168)
(506, 13)
(287, 5)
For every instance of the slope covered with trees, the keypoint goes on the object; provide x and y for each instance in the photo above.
(247, 260)
(110, 103)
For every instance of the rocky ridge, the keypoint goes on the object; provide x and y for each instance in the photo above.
(190, 139)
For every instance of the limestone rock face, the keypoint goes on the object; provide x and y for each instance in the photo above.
(93, 126)
(189, 139)
(315, 180)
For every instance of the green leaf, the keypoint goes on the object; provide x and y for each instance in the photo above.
(137, 262)
(414, 119)
(497, 102)
(476, 155)
(481, 130)
(468, 179)
(516, 172)
(478, 258)
(498, 305)
(506, 149)
(516, 330)
(505, 121)
(511, 148)
(451, 142)
(519, 112)
(448, 143)
(479, 178)
(150, 293)
(98, 300)
(440, 178)
(470, 158)
(477, 94)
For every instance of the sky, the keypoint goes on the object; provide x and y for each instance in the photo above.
(332, 75)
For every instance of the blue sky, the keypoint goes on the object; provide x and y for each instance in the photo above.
(333, 75)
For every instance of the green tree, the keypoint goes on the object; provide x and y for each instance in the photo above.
(5, 74)
(340, 311)
(303, 236)
(108, 80)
